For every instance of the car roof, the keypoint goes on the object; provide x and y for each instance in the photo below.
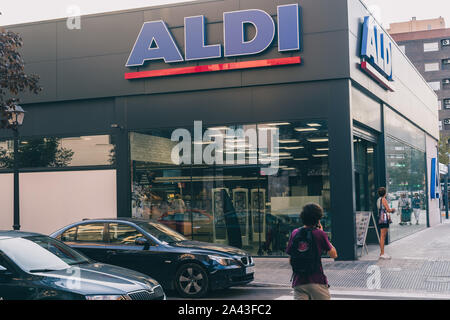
(9, 234)
(126, 219)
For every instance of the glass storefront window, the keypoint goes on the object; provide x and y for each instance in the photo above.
(242, 185)
(406, 186)
(52, 152)
(6, 154)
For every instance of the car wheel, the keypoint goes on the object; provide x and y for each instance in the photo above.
(191, 281)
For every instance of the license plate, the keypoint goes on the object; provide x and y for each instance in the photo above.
(250, 270)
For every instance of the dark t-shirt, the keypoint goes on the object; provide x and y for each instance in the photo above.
(322, 245)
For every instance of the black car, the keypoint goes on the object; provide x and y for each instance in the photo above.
(190, 267)
(37, 267)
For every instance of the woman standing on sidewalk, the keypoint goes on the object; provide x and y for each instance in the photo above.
(384, 219)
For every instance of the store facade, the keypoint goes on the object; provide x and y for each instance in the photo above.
(221, 119)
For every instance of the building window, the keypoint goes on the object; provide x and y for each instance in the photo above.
(446, 82)
(53, 152)
(431, 67)
(435, 85)
(430, 47)
(407, 188)
(262, 184)
(446, 103)
(446, 64)
(445, 42)
(402, 49)
(446, 122)
(6, 154)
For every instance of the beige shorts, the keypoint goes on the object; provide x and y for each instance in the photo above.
(312, 291)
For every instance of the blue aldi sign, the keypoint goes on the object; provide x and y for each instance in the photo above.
(376, 48)
(155, 41)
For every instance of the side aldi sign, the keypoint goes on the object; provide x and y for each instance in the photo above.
(156, 43)
(376, 53)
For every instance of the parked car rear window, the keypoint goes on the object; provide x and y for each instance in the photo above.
(90, 232)
(123, 234)
(69, 235)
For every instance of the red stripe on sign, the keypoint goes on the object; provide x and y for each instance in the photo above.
(213, 68)
(372, 72)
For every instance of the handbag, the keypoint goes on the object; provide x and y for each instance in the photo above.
(383, 216)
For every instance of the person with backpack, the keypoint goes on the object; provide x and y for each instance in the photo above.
(305, 248)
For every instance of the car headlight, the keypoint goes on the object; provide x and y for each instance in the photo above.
(106, 297)
(223, 261)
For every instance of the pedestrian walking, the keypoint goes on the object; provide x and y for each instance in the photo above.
(416, 207)
(305, 248)
(384, 219)
(404, 206)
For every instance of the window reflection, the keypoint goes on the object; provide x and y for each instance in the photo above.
(406, 177)
(53, 152)
(246, 189)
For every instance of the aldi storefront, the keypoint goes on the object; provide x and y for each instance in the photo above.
(222, 119)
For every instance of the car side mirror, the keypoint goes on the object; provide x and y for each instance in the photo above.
(141, 242)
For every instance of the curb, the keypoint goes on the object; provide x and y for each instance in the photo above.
(367, 294)
(267, 284)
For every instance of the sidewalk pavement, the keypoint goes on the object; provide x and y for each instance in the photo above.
(420, 265)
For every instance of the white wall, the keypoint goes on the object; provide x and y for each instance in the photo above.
(433, 204)
(51, 200)
(6, 201)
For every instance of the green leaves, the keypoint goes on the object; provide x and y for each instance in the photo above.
(13, 79)
(444, 149)
(38, 153)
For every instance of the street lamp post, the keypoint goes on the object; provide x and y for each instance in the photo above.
(15, 120)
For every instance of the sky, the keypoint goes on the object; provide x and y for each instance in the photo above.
(22, 11)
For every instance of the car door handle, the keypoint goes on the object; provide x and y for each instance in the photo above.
(111, 252)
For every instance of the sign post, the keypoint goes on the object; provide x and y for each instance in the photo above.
(362, 227)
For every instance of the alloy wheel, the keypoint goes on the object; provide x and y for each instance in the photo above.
(192, 281)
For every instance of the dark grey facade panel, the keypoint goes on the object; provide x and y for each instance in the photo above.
(93, 77)
(91, 61)
(174, 16)
(70, 118)
(48, 81)
(317, 62)
(230, 106)
(39, 41)
(106, 35)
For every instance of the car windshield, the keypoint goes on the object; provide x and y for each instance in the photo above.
(161, 232)
(40, 254)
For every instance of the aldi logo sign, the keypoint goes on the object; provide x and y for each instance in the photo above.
(376, 53)
(156, 43)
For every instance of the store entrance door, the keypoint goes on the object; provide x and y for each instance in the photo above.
(364, 153)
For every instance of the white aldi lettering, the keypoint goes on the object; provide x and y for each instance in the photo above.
(376, 47)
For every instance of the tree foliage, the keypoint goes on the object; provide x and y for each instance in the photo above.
(444, 150)
(13, 79)
(37, 153)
